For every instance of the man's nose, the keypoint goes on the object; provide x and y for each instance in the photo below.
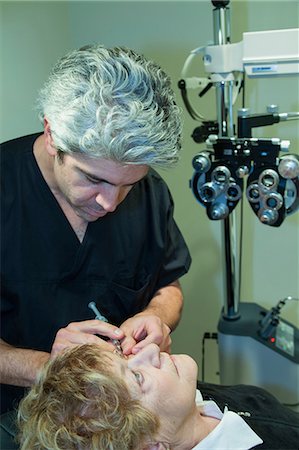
(149, 355)
(109, 199)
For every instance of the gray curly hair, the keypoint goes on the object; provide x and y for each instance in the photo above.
(113, 104)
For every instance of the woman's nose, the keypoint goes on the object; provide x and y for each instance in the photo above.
(149, 355)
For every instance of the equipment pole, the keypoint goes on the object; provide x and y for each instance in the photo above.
(224, 102)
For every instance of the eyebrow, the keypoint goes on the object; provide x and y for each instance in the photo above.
(123, 369)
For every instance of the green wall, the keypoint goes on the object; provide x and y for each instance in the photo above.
(34, 34)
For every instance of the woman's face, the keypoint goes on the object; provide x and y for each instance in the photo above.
(165, 384)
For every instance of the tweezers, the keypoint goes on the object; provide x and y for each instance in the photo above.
(116, 342)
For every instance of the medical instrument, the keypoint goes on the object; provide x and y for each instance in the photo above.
(99, 316)
(255, 346)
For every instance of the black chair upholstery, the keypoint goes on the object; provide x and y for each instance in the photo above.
(8, 431)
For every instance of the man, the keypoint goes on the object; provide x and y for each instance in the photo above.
(86, 217)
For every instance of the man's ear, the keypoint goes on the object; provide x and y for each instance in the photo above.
(48, 138)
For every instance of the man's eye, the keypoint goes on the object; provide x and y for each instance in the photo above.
(92, 180)
(139, 377)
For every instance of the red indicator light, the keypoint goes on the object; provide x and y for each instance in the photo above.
(272, 339)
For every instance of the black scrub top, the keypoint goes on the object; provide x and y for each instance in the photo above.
(49, 277)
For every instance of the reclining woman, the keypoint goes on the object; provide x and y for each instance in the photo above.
(90, 399)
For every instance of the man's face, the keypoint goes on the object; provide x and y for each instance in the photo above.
(94, 187)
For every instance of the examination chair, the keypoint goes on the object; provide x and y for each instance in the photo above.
(8, 431)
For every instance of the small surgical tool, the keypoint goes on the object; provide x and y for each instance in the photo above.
(99, 316)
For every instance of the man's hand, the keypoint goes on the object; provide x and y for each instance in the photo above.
(143, 329)
(156, 322)
(85, 332)
(19, 366)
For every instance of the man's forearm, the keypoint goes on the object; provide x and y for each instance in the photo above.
(19, 366)
(167, 303)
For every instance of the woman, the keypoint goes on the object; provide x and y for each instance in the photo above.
(87, 398)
